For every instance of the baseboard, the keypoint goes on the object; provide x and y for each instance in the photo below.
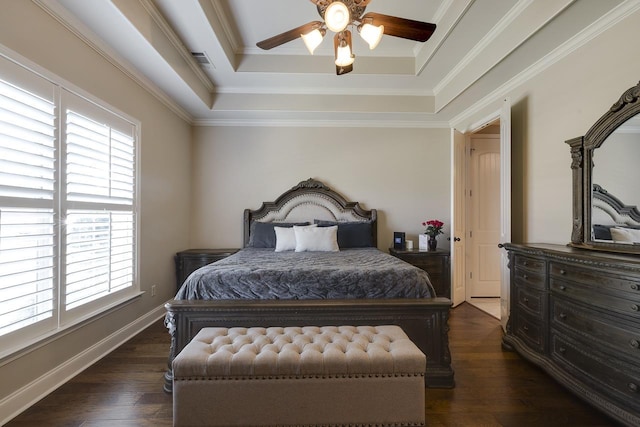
(17, 402)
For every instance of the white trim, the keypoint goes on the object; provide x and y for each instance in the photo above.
(589, 33)
(21, 399)
(479, 48)
(368, 123)
(77, 29)
(177, 44)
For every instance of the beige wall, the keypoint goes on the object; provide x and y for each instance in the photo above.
(559, 104)
(404, 173)
(164, 179)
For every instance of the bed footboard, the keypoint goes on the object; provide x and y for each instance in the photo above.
(425, 321)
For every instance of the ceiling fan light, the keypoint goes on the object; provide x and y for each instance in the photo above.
(372, 34)
(337, 16)
(312, 40)
(344, 57)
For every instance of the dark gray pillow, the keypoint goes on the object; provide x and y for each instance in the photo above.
(262, 234)
(602, 232)
(354, 234)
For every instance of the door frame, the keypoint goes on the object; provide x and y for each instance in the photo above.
(457, 282)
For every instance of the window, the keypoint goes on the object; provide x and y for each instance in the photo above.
(67, 207)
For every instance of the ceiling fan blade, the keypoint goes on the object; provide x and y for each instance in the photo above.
(288, 36)
(401, 27)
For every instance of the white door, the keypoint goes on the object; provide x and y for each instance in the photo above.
(458, 212)
(484, 221)
(505, 208)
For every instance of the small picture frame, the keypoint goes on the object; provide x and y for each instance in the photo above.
(398, 240)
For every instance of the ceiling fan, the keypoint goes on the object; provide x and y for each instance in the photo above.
(337, 15)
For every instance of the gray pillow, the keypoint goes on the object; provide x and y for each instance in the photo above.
(355, 234)
(262, 234)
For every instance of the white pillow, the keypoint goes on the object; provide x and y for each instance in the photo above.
(286, 237)
(319, 239)
(626, 235)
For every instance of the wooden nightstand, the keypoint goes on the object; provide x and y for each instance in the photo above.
(436, 263)
(190, 260)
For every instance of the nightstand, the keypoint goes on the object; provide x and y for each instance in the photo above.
(436, 263)
(190, 260)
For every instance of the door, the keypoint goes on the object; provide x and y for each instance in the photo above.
(458, 212)
(505, 208)
(484, 221)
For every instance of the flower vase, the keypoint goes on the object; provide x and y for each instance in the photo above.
(432, 243)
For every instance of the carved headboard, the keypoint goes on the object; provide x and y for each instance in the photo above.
(307, 201)
(608, 211)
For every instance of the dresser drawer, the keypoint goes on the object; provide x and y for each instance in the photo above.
(532, 264)
(618, 380)
(593, 296)
(597, 329)
(530, 330)
(528, 278)
(532, 301)
(605, 281)
(530, 272)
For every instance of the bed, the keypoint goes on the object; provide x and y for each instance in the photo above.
(386, 290)
(612, 219)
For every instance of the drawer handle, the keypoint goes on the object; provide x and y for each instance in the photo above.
(525, 300)
(525, 263)
(563, 316)
(563, 288)
(525, 277)
(634, 287)
(635, 307)
(525, 328)
(563, 272)
(562, 350)
(633, 387)
(634, 343)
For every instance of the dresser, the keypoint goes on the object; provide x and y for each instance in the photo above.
(576, 314)
(436, 263)
(190, 260)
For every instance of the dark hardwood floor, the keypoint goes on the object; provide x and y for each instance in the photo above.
(493, 387)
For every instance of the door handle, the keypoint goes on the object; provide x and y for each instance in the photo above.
(455, 239)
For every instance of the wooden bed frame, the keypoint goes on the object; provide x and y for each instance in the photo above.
(424, 320)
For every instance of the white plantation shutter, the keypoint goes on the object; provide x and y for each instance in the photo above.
(67, 207)
(100, 190)
(27, 193)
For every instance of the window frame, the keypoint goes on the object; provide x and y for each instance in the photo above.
(25, 74)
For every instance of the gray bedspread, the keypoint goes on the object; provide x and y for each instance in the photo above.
(254, 273)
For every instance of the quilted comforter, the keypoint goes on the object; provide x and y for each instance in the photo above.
(255, 273)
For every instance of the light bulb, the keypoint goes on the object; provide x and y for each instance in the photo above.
(337, 16)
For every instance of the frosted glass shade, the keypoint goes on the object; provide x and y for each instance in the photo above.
(344, 56)
(372, 34)
(312, 40)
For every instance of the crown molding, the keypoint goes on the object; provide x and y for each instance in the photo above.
(177, 44)
(321, 123)
(479, 48)
(585, 36)
(80, 30)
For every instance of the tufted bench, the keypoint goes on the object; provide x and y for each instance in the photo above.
(331, 375)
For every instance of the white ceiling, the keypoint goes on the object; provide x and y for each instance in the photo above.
(477, 48)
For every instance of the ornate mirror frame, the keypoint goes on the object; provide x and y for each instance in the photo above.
(582, 151)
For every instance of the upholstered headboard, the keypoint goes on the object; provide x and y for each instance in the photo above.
(608, 211)
(308, 201)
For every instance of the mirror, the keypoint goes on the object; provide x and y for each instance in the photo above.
(606, 180)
